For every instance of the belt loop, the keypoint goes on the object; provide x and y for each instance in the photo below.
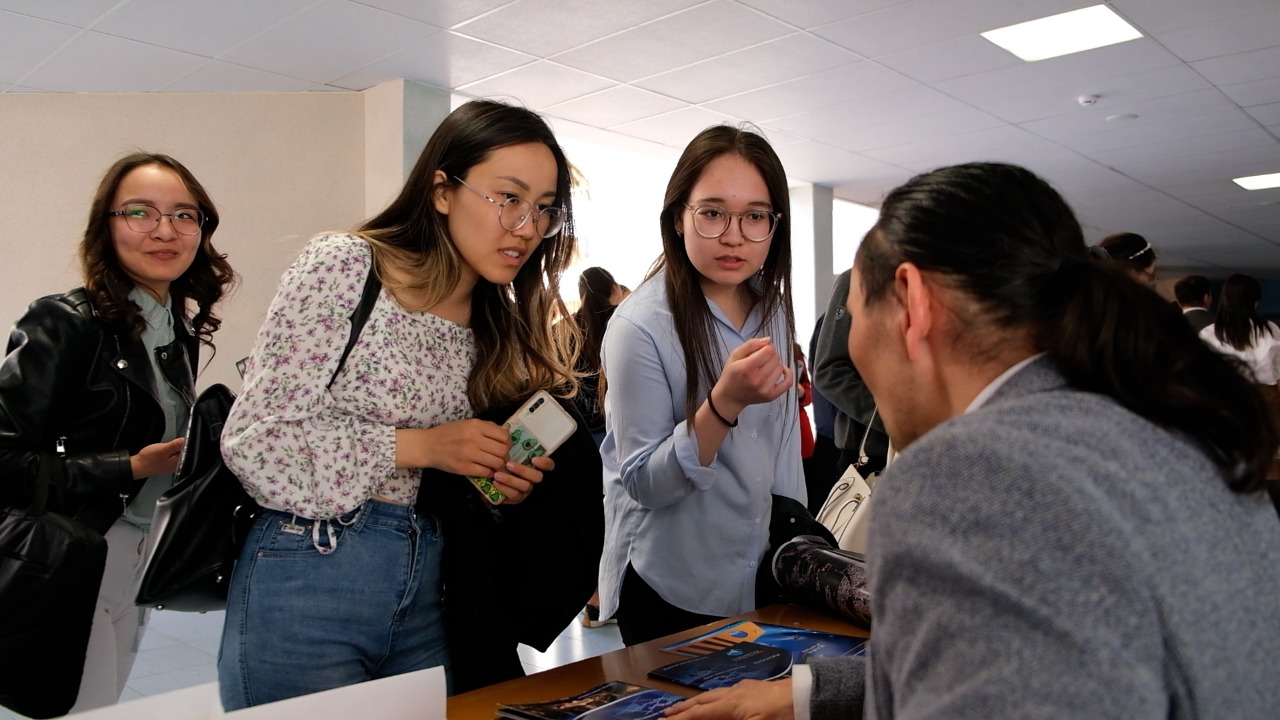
(315, 537)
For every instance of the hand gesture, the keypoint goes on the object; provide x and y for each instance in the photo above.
(157, 459)
(754, 373)
(748, 700)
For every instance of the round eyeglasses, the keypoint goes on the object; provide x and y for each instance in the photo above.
(513, 213)
(754, 225)
(144, 219)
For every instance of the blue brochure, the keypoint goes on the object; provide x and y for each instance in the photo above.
(611, 701)
(725, 667)
(802, 643)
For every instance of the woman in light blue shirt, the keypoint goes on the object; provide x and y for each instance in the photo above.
(700, 416)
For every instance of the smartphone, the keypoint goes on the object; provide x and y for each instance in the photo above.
(537, 428)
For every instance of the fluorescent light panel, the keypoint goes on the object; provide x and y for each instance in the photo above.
(1258, 182)
(1063, 34)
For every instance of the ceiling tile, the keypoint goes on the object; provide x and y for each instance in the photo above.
(675, 128)
(925, 22)
(1028, 91)
(812, 13)
(949, 58)
(1138, 133)
(1157, 16)
(1268, 115)
(27, 42)
(329, 40)
(959, 121)
(219, 76)
(543, 28)
(614, 106)
(826, 165)
(1241, 33)
(440, 14)
(103, 63)
(80, 13)
(861, 80)
(1258, 92)
(675, 41)
(445, 60)
(934, 151)
(196, 26)
(839, 121)
(1207, 145)
(1242, 67)
(766, 64)
(538, 85)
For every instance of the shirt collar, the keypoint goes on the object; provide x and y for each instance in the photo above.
(992, 387)
(157, 316)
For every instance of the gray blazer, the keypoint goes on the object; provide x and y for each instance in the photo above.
(1053, 555)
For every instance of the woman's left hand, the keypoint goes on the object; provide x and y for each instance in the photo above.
(518, 480)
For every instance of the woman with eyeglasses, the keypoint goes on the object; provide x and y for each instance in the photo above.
(340, 580)
(1131, 253)
(100, 381)
(701, 416)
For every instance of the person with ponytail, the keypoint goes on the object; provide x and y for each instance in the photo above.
(599, 294)
(701, 417)
(1239, 331)
(1077, 524)
(1131, 253)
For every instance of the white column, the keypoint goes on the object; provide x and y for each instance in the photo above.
(399, 117)
(811, 266)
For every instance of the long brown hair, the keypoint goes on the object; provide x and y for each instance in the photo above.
(694, 323)
(518, 351)
(209, 278)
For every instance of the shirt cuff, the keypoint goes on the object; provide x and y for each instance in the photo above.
(801, 689)
(686, 447)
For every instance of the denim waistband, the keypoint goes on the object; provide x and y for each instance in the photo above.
(373, 513)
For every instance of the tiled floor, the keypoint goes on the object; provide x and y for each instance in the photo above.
(179, 650)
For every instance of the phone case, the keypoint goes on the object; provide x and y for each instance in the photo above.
(551, 421)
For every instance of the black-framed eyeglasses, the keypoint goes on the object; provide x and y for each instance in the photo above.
(144, 219)
(754, 225)
(513, 213)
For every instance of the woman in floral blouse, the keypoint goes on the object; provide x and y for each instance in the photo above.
(339, 581)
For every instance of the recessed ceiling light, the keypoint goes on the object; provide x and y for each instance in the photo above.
(1258, 182)
(1063, 34)
(1123, 117)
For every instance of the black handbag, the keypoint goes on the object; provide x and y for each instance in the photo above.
(201, 522)
(50, 571)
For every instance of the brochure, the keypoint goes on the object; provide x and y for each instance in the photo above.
(725, 667)
(611, 701)
(802, 643)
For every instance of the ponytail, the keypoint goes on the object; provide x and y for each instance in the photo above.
(1112, 336)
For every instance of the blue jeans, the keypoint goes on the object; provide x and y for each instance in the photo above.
(316, 605)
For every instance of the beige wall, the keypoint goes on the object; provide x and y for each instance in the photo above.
(280, 167)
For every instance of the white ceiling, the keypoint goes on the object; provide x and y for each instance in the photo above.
(855, 94)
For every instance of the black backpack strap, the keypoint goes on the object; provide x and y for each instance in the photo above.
(359, 316)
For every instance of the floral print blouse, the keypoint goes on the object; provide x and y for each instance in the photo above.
(319, 452)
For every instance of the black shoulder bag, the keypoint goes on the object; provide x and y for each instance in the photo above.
(50, 570)
(201, 523)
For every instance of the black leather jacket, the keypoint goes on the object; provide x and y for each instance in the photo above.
(82, 392)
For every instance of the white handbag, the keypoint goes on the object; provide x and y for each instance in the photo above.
(848, 505)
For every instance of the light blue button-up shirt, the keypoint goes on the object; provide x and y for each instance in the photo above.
(695, 534)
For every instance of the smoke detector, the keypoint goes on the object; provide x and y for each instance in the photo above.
(1087, 100)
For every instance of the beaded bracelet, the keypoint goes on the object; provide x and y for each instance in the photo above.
(716, 412)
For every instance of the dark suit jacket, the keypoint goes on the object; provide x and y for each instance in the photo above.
(517, 573)
(1199, 318)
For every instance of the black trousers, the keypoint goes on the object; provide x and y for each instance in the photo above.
(643, 615)
(821, 470)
